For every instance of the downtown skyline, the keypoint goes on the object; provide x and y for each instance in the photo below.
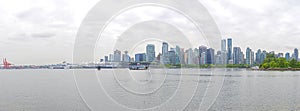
(229, 54)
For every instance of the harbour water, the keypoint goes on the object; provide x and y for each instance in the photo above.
(170, 89)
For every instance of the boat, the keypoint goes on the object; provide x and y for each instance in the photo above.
(138, 66)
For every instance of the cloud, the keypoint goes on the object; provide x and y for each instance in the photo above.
(43, 35)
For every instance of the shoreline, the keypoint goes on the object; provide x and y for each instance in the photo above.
(278, 69)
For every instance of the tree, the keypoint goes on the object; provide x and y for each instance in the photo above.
(283, 63)
(293, 63)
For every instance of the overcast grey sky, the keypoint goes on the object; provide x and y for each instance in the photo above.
(43, 31)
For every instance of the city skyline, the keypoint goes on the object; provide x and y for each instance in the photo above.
(203, 55)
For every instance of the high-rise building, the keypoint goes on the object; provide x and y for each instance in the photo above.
(190, 56)
(218, 58)
(203, 58)
(111, 58)
(165, 49)
(178, 55)
(201, 50)
(252, 58)
(182, 60)
(296, 54)
(257, 56)
(287, 56)
(223, 45)
(196, 56)
(105, 58)
(210, 56)
(126, 57)
(150, 51)
(186, 56)
(248, 56)
(229, 49)
(236, 55)
(263, 56)
(117, 56)
(172, 57)
(141, 57)
(224, 57)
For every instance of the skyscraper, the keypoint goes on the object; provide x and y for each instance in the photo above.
(105, 58)
(296, 54)
(258, 57)
(111, 58)
(263, 56)
(190, 57)
(117, 56)
(223, 45)
(201, 50)
(287, 56)
(210, 56)
(126, 57)
(172, 57)
(229, 48)
(236, 55)
(150, 52)
(203, 58)
(252, 59)
(196, 56)
(248, 56)
(178, 55)
(218, 58)
(165, 49)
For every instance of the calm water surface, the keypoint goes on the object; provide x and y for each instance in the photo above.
(56, 90)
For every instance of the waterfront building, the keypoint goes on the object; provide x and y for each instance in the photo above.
(236, 55)
(287, 56)
(229, 49)
(248, 56)
(263, 56)
(141, 57)
(210, 56)
(111, 58)
(201, 50)
(252, 59)
(218, 58)
(125, 57)
(105, 58)
(117, 56)
(185, 57)
(178, 55)
(224, 57)
(190, 59)
(172, 57)
(223, 45)
(150, 52)
(203, 58)
(258, 55)
(296, 54)
(165, 49)
(196, 56)
(182, 60)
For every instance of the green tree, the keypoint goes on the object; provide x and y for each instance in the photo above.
(293, 63)
(283, 63)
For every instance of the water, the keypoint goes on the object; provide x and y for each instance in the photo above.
(52, 90)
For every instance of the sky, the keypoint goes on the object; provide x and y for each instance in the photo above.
(43, 32)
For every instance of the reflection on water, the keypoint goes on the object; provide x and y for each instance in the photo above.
(50, 90)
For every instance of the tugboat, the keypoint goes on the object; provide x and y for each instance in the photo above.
(138, 66)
